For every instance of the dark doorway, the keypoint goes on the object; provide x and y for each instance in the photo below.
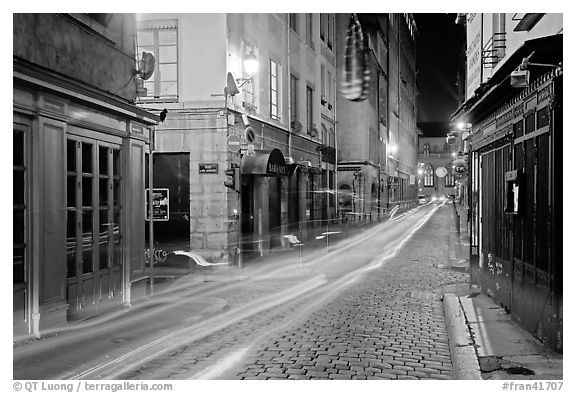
(247, 218)
(274, 210)
(172, 171)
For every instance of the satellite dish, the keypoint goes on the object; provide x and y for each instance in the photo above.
(231, 87)
(147, 65)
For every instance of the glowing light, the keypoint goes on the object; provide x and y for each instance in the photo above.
(251, 64)
(463, 126)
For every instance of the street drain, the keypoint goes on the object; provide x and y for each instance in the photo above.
(519, 371)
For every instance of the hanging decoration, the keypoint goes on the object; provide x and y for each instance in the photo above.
(355, 85)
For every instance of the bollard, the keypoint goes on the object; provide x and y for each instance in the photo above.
(458, 223)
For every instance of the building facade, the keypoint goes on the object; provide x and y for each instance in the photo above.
(286, 161)
(436, 174)
(79, 145)
(377, 137)
(514, 108)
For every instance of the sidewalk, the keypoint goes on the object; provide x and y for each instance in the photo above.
(484, 341)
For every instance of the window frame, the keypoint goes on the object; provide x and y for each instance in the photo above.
(107, 243)
(309, 106)
(310, 31)
(323, 27)
(274, 89)
(294, 98)
(293, 22)
(21, 207)
(449, 180)
(158, 27)
(426, 149)
(428, 175)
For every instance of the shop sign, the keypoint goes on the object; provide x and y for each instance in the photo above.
(160, 205)
(276, 169)
(473, 53)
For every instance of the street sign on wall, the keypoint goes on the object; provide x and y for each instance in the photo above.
(211, 167)
(160, 205)
(234, 143)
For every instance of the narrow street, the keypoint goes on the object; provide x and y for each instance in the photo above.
(366, 307)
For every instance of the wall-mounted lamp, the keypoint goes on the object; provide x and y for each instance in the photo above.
(520, 77)
(251, 64)
(250, 69)
(463, 126)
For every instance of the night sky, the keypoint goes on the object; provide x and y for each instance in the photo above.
(438, 45)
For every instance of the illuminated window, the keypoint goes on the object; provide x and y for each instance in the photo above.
(428, 176)
(426, 149)
(449, 178)
(161, 39)
(274, 96)
(248, 89)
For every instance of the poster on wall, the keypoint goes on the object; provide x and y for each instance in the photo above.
(160, 205)
(473, 53)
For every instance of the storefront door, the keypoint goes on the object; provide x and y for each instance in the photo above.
(93, 222)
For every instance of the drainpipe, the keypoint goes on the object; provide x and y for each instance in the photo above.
(283, 230)
(336, 196)
(151, 207)
(289, 92)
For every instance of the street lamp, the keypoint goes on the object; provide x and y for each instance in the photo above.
(251, 64)
(250, 69)
(463, 126)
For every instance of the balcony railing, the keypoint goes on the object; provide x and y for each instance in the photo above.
(436, 155)
(494, 50)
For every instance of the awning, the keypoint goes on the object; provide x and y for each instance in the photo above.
(265, 163)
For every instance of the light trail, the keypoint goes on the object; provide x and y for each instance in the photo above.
(313, 293)
(319, 297)
(114, 368)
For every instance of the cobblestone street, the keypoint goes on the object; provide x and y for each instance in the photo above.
(389, 326)
(371, 308)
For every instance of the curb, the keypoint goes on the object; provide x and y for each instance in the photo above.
(464, 360)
